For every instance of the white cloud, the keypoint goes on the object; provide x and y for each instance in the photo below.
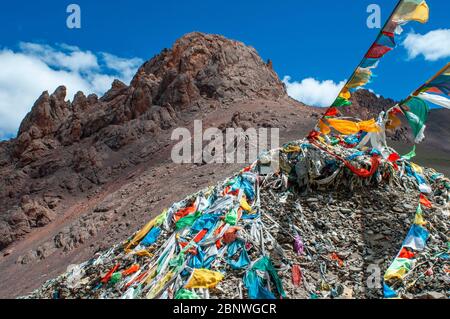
(67, 57)
(35, 68)
(126, 67)
(433, 46)
(313, 92)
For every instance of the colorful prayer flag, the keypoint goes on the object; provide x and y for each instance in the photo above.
(416, 111)
(411, 10)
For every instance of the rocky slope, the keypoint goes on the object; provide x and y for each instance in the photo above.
(84, 174)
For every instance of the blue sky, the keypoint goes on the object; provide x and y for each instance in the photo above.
(324, 40)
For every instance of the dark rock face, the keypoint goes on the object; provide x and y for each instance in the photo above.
(47, 114)
(366, 104)
(72, 148)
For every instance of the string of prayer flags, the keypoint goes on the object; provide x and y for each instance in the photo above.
(405, 11)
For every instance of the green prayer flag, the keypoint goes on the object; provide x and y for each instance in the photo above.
(334, 141)
(187, 220)
(116, 277)
(231, 217)
(416, 111)
(398, 268)
(340, 101)
(410, 155)
(186, 294)
(177, 261)
(265, 264)
(161, 218)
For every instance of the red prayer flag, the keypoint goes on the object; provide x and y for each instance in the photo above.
(434, 90)
(376, 51)
(393, 157)
(184, 212)
(131, 270)
(396, 110)
(230, 235)
(362, 172)
(109, 274)
(200, 235)
(296, 275)
(313, 135)
(335, 257)
(332, 111)
(405, 253)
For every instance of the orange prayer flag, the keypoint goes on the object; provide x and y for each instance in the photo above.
(425, 202)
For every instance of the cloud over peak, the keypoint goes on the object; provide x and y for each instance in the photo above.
(313, 92)
(35, 68)
(433, 45)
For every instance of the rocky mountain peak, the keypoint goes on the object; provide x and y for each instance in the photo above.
(211, 66)
(198, 68)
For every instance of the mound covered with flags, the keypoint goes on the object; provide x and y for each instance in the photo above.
(317, 218)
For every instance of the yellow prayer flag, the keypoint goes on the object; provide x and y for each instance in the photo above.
(447, 70)
(418, 220)
(360, 78)
(143, 253)
(345, 93)
(395, 273)
(394, 121)
(412, 10)
(292, 149)
(347, 127)
(344, 126)
(204, 278)
(160, 285)
(244, 205)
(416, 168)
(369, 126)
(325, 129)
(398, 269)
(141, 234)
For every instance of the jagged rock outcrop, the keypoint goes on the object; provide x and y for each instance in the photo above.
(198, 67)
(71, 147)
